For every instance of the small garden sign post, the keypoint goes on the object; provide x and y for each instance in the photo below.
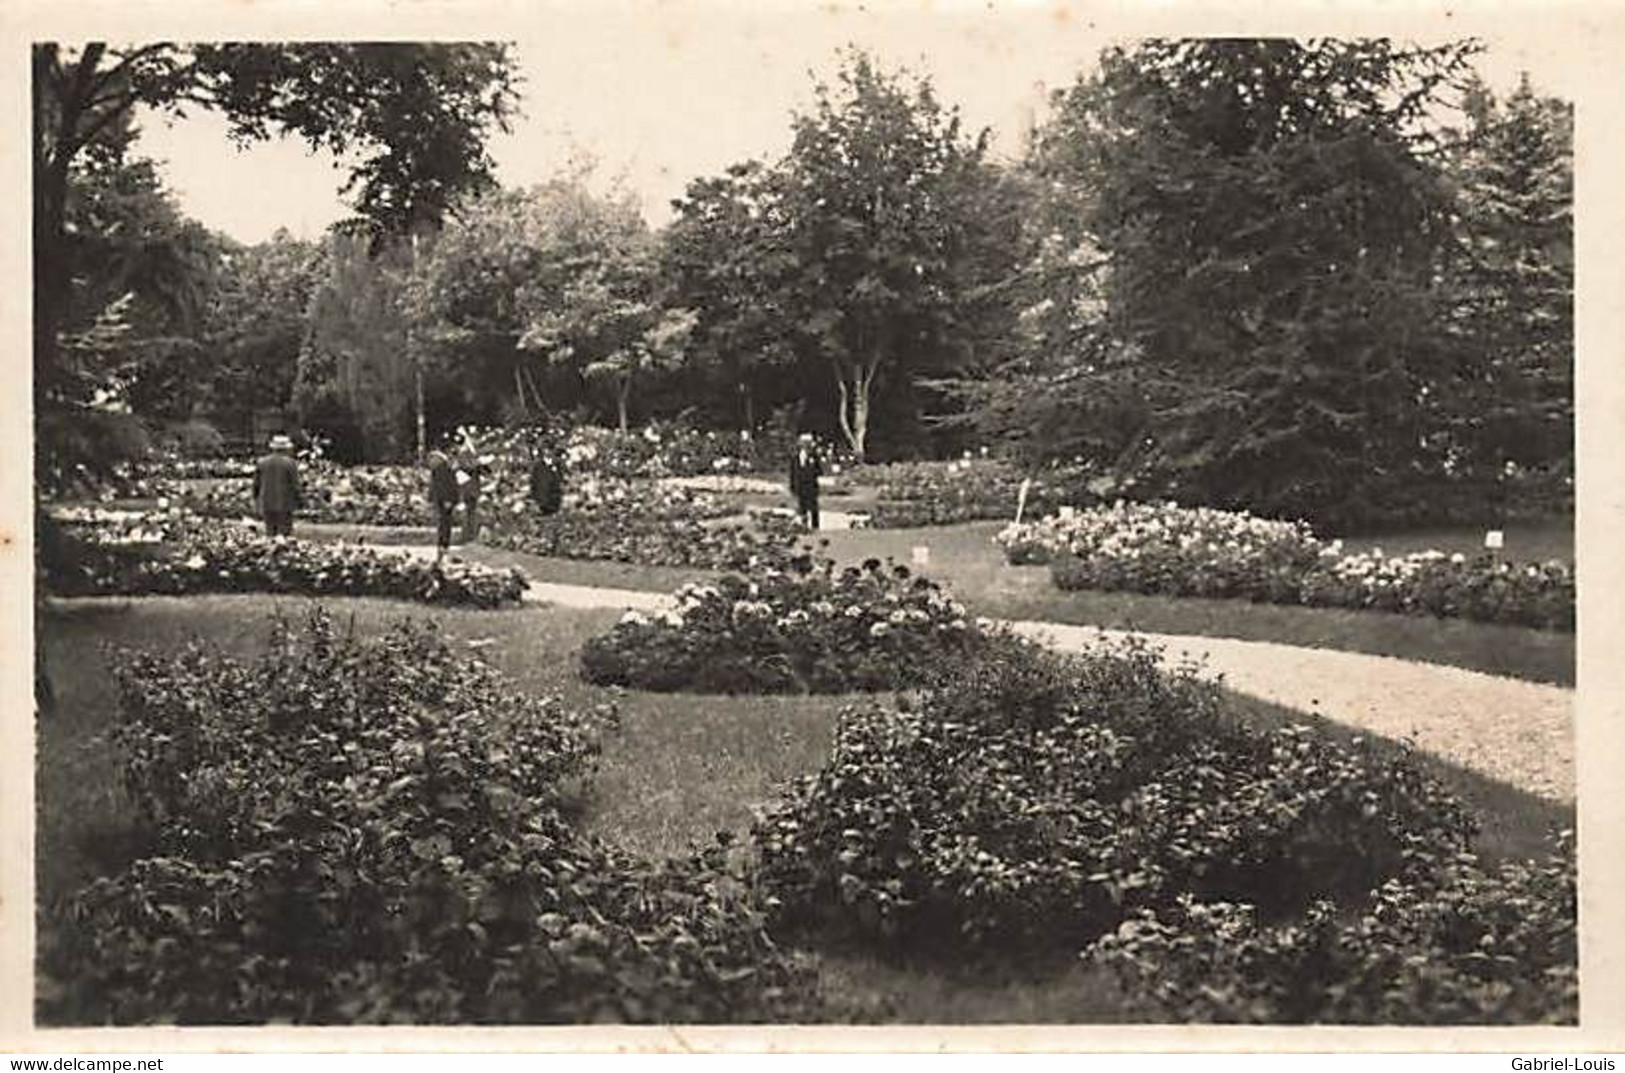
(1021, 497)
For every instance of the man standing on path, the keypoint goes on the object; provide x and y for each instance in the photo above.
(805, 469)
(276, 487)
(443, 497)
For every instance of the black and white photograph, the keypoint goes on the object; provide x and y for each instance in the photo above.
(842, 515)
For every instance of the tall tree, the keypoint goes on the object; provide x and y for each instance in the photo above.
(259, 321)
(727, 257)
(1516, 284)
(505, 261)
(1273, 219)
(609, 320)
(883, 195)
(126, 236)
(413, 117)
(353, 364)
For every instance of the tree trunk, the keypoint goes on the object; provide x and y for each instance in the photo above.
(853, 412)
(535, 392)
(417, 368)
(519, 390)
(417, 390)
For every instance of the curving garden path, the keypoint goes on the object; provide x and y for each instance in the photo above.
(1516, 732)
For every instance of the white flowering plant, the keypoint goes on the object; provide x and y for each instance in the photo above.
(174, 553)
(1166, 549)
(801, 627)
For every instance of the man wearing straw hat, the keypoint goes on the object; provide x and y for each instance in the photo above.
(276, 487)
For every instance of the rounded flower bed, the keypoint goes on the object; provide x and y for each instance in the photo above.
(378, 831)
(809, 628)
(1165, 549)
(197, 561)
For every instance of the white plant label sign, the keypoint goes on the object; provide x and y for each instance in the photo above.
(1495, 539)
(922, 555)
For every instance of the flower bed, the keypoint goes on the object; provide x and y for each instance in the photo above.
(1480, 587)
(1169, 550)
(398, 496)
(195, 560)
(356, 495)
(807, 629)
(377, 831)
(1028, 803)
(1164, 549)
(913, 494)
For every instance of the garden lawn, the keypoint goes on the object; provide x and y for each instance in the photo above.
(966, 560)
(681, 768)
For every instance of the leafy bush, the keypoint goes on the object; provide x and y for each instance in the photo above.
(378, 831)
(913, 494)
(809, 628)
(1164, 549)
(1464, 946)
(192, 559)
(1026, 802)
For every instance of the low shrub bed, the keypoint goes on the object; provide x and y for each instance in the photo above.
(1031, 802)
(1464, 946)
(807, 628)
(192, 560)
(1164, 549)
(378, 831)
(913, 494)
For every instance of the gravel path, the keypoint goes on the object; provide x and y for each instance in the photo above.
(1516, 732)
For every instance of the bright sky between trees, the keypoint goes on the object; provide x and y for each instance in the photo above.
(656, 100)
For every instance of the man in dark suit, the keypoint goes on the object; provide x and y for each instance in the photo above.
(276, 487)
(805, 469)
(444, 495)
(546, 481)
